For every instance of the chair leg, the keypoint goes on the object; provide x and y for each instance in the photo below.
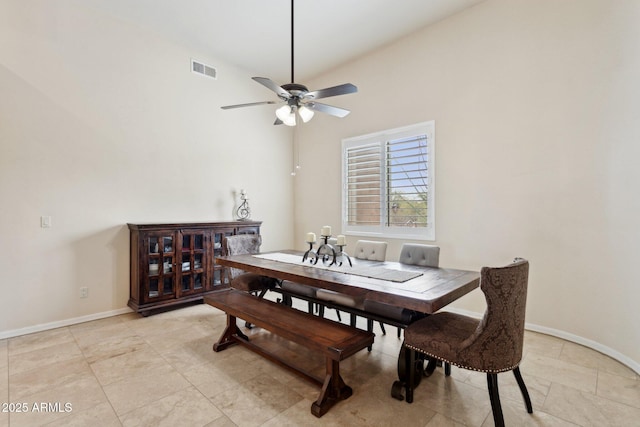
(369, 329)
(399, 331)
(447, 369)
(382, 328)
(523, 389)
(496, 408)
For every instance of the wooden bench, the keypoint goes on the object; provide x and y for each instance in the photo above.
(335, 341)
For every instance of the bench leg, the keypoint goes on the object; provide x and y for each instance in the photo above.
(333, 390)
(227, 339)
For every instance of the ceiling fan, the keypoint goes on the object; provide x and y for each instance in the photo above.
(297, 98)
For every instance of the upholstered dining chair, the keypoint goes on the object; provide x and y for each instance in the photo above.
(364, 249)
(492, 344)
(410, 254)
(242, 244)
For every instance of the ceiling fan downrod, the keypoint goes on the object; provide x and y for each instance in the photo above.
(292, 42)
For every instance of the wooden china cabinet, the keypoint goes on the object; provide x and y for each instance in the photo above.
(174, 263)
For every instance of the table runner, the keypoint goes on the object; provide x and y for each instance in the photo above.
(372, 272)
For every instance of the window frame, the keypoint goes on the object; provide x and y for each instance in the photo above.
(380, 139)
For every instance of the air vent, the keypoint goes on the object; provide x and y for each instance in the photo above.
(200, 68)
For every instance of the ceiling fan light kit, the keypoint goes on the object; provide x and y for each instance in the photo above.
(297, 97)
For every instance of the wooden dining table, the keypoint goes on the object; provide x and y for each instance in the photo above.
(430, 290)
(422, 289)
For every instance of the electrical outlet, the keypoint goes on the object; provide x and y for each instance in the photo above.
(84, 292)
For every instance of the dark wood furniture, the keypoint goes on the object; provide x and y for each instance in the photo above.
(334, 340)
(432, 290)
(427, 293)
(175, 263)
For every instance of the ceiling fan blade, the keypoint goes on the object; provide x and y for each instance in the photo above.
(332, 91)
(328, 109)
(270, 84)
(250, 104)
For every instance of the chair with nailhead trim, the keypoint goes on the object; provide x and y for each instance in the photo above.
(492, 344)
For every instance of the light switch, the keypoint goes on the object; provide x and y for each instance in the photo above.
(45, 221)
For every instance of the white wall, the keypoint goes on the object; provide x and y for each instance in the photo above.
(536, 106)
(102, 123)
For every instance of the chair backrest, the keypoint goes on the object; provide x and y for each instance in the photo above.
(370, 250)
(422, 255)
(240, 244)
(496, 344)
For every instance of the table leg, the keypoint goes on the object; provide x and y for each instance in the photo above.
(410, 371)
(333, 390)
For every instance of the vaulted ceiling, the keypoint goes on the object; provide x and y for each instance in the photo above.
(255, 34)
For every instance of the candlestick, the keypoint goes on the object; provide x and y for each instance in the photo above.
(311, 238)
(341, 240)
(326, 231)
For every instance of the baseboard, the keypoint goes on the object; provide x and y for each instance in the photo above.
(627, 361)
(62, 323)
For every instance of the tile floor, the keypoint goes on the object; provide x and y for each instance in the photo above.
(160, 370)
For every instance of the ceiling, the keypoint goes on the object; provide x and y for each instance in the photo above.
(256, 34)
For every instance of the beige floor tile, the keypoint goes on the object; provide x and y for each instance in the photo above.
(193, 353)
(144, 362)
(112, 346)
(4, 386)
(440, 420)
(101, 415)
(223, 421)
(39, 340)
(210, 380)
(458, 401)
(275, 394)
(559, 371)
(186, 407)
(178, 338)
(515, 414)
(545, 345)
(538, 388)
(89, 336)
(300, 415)
(160, 367)
(95, 324)
(136, 392)
(4, 354)
(589, 358)
(586, 409)
(620, 389)
(42, 356)
(59, 402)
(243, 407)
(53, 375)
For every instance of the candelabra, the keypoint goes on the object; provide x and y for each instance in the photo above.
(327, 252)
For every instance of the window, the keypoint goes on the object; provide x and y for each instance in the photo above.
(388, 183)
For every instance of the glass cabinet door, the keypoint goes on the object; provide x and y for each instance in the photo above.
(219, 276)
(193, 261)
(160, 283)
